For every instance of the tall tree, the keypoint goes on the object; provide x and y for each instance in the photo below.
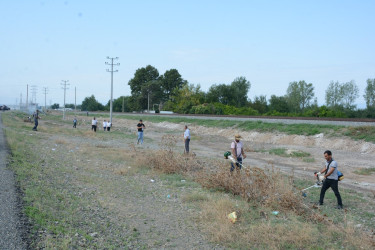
(240, 88)
(234, 94)
(171, 80)
(260, 104)
(299, 94)
(91, 104)
(370, 94)
(279, 104)
(142, 76)
(142, 84)
(350, 94)
(221, 93)
(185, 98)
(334, 94)
(341, 95)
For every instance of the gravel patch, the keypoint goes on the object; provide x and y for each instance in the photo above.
(11, 225)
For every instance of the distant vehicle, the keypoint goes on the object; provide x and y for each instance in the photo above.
(4, 107)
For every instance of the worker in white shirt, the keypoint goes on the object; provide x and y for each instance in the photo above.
(187, 139)
(105, 124)
(94, 122)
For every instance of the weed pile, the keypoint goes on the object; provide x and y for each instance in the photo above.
(167, 161)
(266, 187)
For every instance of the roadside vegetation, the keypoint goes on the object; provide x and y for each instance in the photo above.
(363, 133)
(86, 190)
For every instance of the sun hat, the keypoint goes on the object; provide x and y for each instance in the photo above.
(237, 136)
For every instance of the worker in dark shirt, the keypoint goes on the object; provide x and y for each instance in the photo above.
(140, 128)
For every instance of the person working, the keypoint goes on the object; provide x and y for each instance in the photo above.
(140, 128)
(330, 172)
(237, 152)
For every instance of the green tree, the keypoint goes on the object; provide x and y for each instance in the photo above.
(334, 95)
(141, 77)
(240, 88)
(234, 94)
(71, 105)
(91, 104)
(169, 81)
(278, 104)
(145, 85)
(55, 106)
(350, 94)
(220, 93)
(260, 104)
(299, 94)
(370, 94)
(183, 99)
(341, 96)
(119, 103)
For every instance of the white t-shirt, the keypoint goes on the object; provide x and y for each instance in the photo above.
(239, 147)
(187, 134)
(94, 122)
(105, 124)
(109, 124)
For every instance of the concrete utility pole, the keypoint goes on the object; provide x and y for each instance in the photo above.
(34, 89)
(64, 83)
(45, 98)
(75, 99)
(111, 70)
(27, 98)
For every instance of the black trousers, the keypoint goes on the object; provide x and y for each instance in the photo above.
(93, 127)
(334, 184)
(187, 141)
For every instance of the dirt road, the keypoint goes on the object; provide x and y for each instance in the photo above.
(11, 230)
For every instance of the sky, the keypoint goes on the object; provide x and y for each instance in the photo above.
(271, 43)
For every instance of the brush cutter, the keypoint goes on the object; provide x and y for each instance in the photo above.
(228, 155)
(319, 182)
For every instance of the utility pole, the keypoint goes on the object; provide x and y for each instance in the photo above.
(45, 89)
(21, 101)
(33, 89)
(111, 70)
(75, 99)
(64, 83)
(123, 102)
(27, 98)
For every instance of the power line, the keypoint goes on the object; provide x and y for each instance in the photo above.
(64, 83)
(111, 70)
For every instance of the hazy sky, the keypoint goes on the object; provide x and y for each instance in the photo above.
(271, 43)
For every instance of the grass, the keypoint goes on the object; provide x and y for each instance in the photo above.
(66, 205)
(291, 153)
(366, 133)
(365, 171)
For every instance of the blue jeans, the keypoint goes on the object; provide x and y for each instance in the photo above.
(187, 141)
(238, 164)
(36, 124)
(140, 137)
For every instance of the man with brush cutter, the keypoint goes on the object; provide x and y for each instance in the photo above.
(237, 152)
(330, 176)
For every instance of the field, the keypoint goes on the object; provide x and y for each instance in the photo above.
(101, 190)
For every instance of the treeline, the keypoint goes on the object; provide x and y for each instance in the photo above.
(152, 91)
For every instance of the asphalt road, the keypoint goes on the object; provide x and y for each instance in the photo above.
(11, 227)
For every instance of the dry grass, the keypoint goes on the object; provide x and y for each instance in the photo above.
(261, 191)
(61, 141)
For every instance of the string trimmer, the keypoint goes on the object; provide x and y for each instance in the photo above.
(228, 155)
(319, 182)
